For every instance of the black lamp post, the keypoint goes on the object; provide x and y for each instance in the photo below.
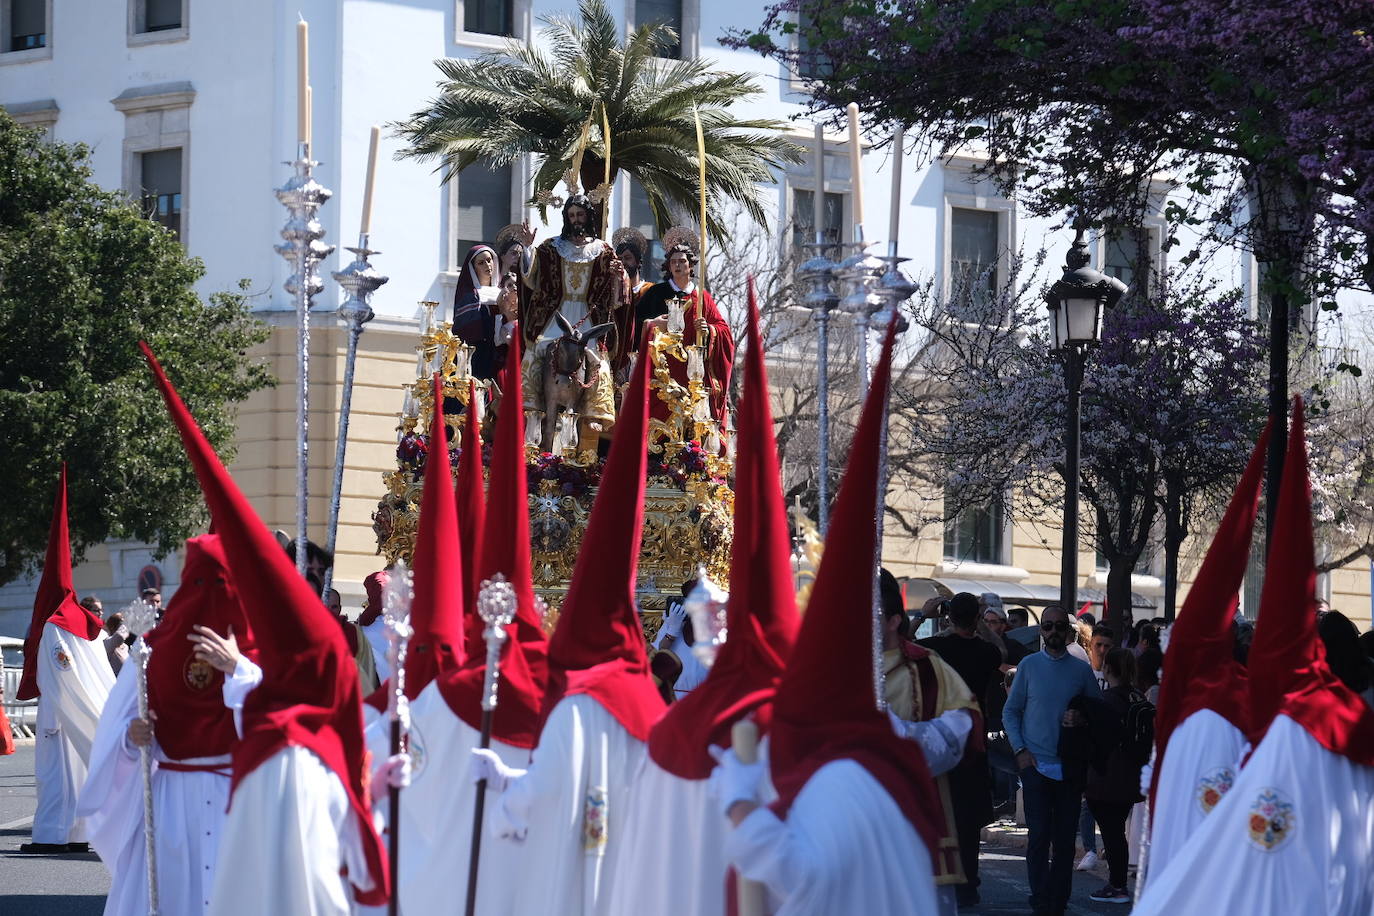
(1076, 302)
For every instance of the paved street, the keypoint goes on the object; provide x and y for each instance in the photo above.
(71, 885)
(75, 885)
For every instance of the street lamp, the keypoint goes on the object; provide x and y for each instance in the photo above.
(1076, 302)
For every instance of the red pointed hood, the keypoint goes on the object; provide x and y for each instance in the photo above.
(762, 615)
(505, 549)
(1287, 656)
(825, 708)
(1199, 670)
(437, 612)
(598, 647)
(192, 720)
(309, 696)
(55, 599)
(472, 505)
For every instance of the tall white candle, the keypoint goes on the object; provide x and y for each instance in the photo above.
(371, 179)
(302, 81)
(856, 171)
(309, 113)
(894, 216)
(818, 199)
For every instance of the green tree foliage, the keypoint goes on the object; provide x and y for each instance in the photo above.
(84, 277)
(522, 99)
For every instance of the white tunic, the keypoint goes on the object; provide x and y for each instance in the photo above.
(74, 678)
(436, 813)
(570, 807)
(1294, 835)
(677, 863)
(845, 847)
(289, 830)
(376, 638)
(1200, 765)
(188, 810)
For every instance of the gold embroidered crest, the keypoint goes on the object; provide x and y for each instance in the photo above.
(199, 673)
(594, 819)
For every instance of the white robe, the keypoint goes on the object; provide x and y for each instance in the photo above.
(188, 812)
(571, 808)
(1294, 835)
(1200, 764)
(290, 827)
(436, 813)
(74, 678)
(376, 638)
(845, 847)
(676, 862)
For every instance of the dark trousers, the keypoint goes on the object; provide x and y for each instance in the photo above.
(1111, 819)
(1052, 820)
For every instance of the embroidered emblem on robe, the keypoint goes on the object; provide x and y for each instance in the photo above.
(1213, 785)
(61, 658)
(1271, 820)
(594, 819)
(199, 673)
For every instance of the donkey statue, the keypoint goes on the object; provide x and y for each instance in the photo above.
(569, 372)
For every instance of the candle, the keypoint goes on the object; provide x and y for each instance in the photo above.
(606, 204)
(302, 80)
(701, 187)
(371, 179)
(309, 113)
(856, 176)
(898, 136)
(818, 198)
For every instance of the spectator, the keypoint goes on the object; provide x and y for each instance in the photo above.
(358, 646)
(1036, 709)
(117, 641)
(1148, 664)
(1018, 617)
(979, 664)
(1244, 635)
(677, 636)
(995, 616)
(1114, 777)
(154, 597)
(94, 605)
(1087, 617)
(1098, 647)
(1345, 655)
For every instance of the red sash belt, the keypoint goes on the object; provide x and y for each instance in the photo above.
(219, 769)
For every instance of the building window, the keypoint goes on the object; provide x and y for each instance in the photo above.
(975, 247)
(160, 188)
(1128, 255)
(804, 217)
(642, 218)
(662, 12)
(976, 535)
(489, 17)
(160, 15)
(484, 205)
(26, 25)
(812, 64)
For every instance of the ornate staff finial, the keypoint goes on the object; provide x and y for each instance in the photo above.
(706, 605)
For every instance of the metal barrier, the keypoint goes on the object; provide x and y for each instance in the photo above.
(23, 714)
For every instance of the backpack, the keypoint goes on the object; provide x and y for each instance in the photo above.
(1138, 729)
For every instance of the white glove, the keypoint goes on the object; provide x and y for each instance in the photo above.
(674, 621)
(733, 780)
(394, 773)
(1147, 773)
(485, 764)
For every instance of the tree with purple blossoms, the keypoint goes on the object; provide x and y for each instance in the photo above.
(1169, 414)
(1258, 112)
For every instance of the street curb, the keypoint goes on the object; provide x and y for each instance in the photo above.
(1006, 834)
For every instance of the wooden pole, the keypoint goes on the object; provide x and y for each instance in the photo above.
(744, 739)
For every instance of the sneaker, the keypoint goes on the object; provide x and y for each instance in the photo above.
(1109, 894)
(1088, 862)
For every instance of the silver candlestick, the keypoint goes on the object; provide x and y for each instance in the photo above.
(140, 617)
(302, 196)
(819, 271)
(360, 280)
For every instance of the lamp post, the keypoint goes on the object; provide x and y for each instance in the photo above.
(1076, 302)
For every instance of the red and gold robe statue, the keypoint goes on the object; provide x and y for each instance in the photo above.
(718, 344)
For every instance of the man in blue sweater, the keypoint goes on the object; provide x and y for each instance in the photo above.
(1036, 709)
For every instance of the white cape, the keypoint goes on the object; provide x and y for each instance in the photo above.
(574, 801)
(845, 847)
(1200, 765)
(290, 828)
(436, 813)
(188, 815)
(1294, 835)
(74, 679)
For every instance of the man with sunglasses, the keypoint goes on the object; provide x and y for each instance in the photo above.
(1036, 710)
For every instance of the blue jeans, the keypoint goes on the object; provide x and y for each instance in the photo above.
(1052, 807)
(1087, 829)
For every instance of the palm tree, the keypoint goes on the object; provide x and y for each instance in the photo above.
(522, 99)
